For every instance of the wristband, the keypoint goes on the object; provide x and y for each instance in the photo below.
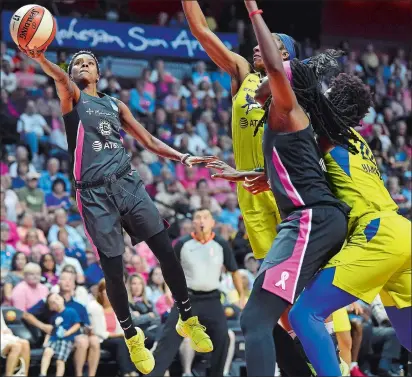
(184, 158)
(259, 11)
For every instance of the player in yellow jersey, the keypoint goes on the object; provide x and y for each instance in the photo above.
(377, 255)
(260, 212)
(376, 258)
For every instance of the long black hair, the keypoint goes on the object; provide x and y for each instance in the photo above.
(14, 260)
(332, 116)
(41, 263)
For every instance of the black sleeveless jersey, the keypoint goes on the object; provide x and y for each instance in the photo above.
(93, 137)
(296, 171)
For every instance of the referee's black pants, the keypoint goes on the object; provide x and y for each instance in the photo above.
(208, 308)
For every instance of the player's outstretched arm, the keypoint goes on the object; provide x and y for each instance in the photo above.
(67, 90)
(235, 65)
(151, 143)
(279, 84)
(231, 174)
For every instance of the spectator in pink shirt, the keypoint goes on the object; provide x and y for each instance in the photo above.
(29, 241)
(144, 251)
(148, 85)
(4, 168)
(160, 73)
(164, 303)
(13, 235)
(190, 179)
(29, 292)
(139, 266)
(26, 224)
(219, 188)
(172, 100)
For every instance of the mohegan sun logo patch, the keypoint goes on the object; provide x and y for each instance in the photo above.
(250, 104)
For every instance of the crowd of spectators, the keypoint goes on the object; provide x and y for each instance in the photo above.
(44, 248)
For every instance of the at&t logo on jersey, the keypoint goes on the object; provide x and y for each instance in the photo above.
(244, 122)
(98, 146)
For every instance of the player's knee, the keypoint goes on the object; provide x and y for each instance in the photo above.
(298, 316)
(246, 322)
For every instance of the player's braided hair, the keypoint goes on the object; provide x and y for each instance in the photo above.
(335, 115)
(82, 52)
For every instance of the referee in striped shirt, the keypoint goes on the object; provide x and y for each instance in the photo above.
(202, 255)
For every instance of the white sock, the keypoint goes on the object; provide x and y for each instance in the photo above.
(292, 334)
(329, 327)
(353, 364)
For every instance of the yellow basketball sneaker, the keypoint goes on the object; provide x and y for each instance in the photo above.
(141, 357)
(192, 329)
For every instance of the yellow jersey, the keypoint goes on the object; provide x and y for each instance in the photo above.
(246, 114)
(356, 180)
(260, 212)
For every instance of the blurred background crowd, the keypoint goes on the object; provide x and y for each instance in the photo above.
(43, 244)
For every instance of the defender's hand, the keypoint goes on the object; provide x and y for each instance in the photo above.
(226, 171)
(256, 185)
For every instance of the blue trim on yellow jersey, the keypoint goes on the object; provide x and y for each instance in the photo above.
(371, 229)
(341, 156)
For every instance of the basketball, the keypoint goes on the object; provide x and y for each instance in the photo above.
(32, 26)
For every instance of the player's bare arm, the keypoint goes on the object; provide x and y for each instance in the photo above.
(235, 65)
(151, 143)
(67, 90)
(285, 113)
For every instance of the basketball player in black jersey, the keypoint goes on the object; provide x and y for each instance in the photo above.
(307, 237)
(111, 196)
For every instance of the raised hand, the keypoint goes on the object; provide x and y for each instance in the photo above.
(34, 54)
(256, 185)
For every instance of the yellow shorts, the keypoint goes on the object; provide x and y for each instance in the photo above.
(377, 260)
(341, 321)
(261, 216)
